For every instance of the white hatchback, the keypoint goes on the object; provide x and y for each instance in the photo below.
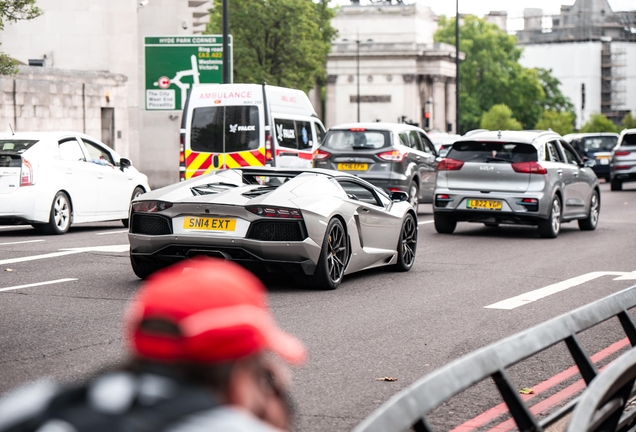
(54, 179)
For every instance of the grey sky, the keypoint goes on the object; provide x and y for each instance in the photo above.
(513, 7)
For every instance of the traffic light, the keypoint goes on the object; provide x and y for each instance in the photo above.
(427, 120)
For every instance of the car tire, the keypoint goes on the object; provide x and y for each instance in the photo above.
(143, 267)
(616, 185)
(414, 195)
(591, 221)
(334, 256)
(407, 245)
(444, 224)
(138, 191)
(551, 227)
(60, 216)
(491, 224)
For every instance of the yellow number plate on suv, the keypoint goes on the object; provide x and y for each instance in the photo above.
(209, 224)
(353, 167)
(483, 204)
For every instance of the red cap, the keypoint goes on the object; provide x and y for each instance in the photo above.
(206, 311)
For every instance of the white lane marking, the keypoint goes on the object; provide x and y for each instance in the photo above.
(114, 248)
(531, 296)
(425, 222)
(21, 242)
(112, 232)
(38, 284)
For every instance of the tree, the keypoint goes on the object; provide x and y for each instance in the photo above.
(560, 122)
(491, 74)
(282, 42)
(629, 121)
(599, 123)
(499, 117)
(10, 12)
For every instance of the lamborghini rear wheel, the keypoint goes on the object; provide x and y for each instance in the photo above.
(333, 258)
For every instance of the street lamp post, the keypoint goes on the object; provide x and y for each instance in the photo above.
(457, 67)
(226, 50)
(358, 42)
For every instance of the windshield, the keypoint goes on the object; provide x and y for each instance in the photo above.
(229, 129)
(475, 151)
(16, 146)
(357, 140)
(599, 144)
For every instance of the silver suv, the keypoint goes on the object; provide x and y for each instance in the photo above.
(393, 156)
(623, 160)
(529, 178)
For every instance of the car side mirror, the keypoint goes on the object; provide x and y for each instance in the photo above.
(399, 196)
(589, 163)
(124, 163)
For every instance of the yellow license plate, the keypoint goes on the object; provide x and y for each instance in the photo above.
(353, 167)
(209, 224)
(484, 204)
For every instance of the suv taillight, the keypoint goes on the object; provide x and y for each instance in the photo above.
(622, 153)
(182, 167)
(393, 156)
(529, 168)
(269, 155)
(26, 177)
(450, 165)
(321, 154)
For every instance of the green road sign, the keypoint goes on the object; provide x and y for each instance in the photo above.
(174, 63)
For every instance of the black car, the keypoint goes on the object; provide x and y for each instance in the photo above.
(597, 146)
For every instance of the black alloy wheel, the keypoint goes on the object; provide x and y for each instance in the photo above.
(333, 260)
(407, 245)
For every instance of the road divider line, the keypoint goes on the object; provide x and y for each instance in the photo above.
(532, 296)
(112, 232)
(63, 252)
(425, 222)
(21, 242)
(38, 284)
(502, 408)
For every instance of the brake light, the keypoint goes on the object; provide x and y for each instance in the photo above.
(321, 154)
(26, 178)
(275, 212)
(269, 155)
(529, 168)
(530, 201)
(182, 166)
(392, 156)
(450, 165)
(357, 129)
(622, 153)
(443, 197)
(620, 167)
(151, 206)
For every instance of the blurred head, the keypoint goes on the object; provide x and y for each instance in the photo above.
(209, 319)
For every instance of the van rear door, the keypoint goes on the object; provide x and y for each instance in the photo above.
(295, 142)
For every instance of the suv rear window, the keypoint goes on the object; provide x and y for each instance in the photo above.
(357, 139)
(477, 151)
(629, 140)
(601, 143)
(16, 146)
(239, 125)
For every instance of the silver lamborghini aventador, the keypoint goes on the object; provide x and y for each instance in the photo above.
(317, 224)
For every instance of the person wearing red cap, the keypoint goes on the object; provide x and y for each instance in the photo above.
(204, 348)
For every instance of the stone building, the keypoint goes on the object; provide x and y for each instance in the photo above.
(386, 50)
(591, 50)
(91, 75)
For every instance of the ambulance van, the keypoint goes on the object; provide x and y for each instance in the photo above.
(237, 125)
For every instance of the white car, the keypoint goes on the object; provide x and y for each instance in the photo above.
(51, 180)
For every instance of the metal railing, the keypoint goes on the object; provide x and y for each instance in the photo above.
(602, 407)
(410, 407)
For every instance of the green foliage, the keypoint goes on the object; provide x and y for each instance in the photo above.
(282, 42)
(491, 75)
(554, 99)
(499, 117)
(10, 12)
(629, 121)
(599, 123)
(560, 122)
